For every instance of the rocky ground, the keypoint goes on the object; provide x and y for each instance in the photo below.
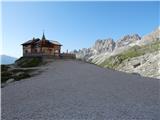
(75, 90)
(23, 68)
(146, 65)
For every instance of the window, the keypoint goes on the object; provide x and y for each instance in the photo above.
(56, 51)
(35, 50)
(26, 51)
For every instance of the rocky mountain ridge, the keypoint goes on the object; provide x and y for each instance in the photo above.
(5, 59)
(103, 46)
(104, 49)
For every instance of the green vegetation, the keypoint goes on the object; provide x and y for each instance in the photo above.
(12, 72)
(5, 76)
(16, 74)
(29, 61)
(21, 75)
(4, 67)
(135, 51)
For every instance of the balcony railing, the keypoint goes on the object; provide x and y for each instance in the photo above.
(56, 55)
(39, 54)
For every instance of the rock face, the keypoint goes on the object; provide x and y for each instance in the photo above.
(147, 65)
(128, 39)
(151, 37)
(106, 46)
(100, 46)
(103, 49)
(83, 54)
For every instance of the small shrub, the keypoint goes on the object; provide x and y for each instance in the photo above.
(21, 76)
(14, 71)
(4, 67)
(29, 61)
(5, 75)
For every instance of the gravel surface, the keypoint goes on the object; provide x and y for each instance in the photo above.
(74, 90)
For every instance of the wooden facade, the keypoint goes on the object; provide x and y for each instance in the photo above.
(41, 47)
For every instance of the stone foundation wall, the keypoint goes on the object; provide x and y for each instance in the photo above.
(45, 56)
(68, 56)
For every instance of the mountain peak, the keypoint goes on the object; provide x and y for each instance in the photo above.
(128, 39)
(104, 45)
(103, 48)
(5, 59)
(153, 36)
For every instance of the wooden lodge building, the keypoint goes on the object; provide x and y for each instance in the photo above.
(41, 47)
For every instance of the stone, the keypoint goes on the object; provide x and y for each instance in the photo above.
(19, 73)
(136, 65)
(10, 80)
(3, 85)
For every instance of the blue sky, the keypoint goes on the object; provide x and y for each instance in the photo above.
(74, 24)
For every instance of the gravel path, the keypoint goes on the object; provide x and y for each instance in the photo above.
(74, 90)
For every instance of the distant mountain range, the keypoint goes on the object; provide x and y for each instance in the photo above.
(131, 53)
(5, 59)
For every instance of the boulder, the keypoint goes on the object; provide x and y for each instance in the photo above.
(19, 73)
(136, 65)
(10, 80)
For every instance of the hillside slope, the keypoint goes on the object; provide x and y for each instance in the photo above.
(144, 60)
(118, 55)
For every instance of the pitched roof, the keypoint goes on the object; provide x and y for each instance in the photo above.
(28, 42)
(37, 41)
(31, 41)
(55, 42)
